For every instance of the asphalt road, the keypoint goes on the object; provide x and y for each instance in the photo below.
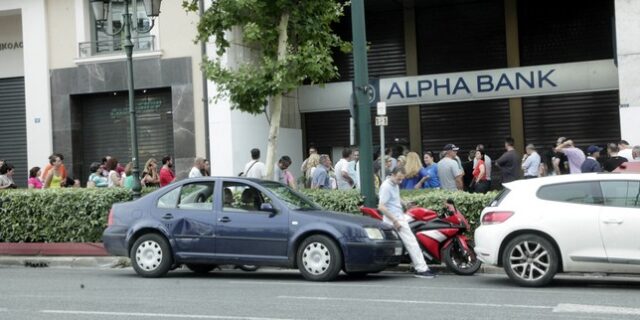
(94, 293)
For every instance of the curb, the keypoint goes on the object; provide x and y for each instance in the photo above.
(62, 262)
(122, 262)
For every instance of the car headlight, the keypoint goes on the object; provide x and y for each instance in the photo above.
(374, 233)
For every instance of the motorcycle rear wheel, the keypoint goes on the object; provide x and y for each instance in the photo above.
(460, 262)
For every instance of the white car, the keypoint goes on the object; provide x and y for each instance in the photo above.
(581, 223)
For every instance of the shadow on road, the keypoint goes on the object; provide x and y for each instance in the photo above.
(573, 282)
(262, 274)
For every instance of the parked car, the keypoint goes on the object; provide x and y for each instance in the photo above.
(581, 223)
(205, 222)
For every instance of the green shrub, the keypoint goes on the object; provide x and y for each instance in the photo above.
(80, 215)
(470, 205)
(57, 215)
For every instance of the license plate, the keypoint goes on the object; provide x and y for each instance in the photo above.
(398, 251)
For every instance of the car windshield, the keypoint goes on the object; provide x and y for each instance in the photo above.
(292, 199)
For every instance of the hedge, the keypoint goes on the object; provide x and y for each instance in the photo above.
(80, 215)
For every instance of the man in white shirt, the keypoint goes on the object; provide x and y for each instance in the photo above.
(254, 168)
(354, 168)
(341, 168)
(625, 150)
(391, 207)
(198, 165)
(531, 163)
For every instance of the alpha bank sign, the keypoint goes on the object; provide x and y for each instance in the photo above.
(576, 77)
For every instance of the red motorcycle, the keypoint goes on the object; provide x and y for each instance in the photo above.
(441, 239)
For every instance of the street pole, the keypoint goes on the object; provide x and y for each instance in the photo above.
(361, 82)
(128, 47)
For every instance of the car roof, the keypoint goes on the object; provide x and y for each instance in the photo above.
(537, 182)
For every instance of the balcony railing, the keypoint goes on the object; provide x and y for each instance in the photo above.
(114, 46)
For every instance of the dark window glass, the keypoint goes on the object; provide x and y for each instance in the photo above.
(621, 193)
(501, 196)
(240, 197)
(577, 192)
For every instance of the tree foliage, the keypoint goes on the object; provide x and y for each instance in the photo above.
(309, 47)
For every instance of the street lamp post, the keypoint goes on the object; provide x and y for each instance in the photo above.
(101, 12)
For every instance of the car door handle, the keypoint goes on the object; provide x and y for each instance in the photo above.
(613, 221)
(224, 219)
(167, 216)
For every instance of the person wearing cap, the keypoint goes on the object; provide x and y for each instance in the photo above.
(449, 171)
(531, 162)
(591, 163)
(509, 162)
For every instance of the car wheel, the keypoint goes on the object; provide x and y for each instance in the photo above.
(151, 256)
(248, 267)
(357, 275)
(201, 268)
(319, 258)
(530, 260)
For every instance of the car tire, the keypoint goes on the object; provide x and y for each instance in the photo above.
(530, 260)
(454, 258)
(151, 256)
(248, 267)
(357, 274)
(201, 268)
(319, 258)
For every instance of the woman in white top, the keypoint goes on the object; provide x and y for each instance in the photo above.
(114, 179)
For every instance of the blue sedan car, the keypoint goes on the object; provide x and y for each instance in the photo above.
(205, 222)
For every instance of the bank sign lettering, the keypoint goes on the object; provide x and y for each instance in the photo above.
(500, 83)
(482, 83)
(586, 76)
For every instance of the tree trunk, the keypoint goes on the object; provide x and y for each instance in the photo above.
(276, 101)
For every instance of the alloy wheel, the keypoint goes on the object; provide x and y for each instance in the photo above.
(529, 260)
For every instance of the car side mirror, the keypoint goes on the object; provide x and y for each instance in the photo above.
(267, 207)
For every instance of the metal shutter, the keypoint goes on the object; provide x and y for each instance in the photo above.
(564, 31)
(463, 36)
(385, 38)
(587, 118)
(466, 124)
(331, 129)
(13, 128)
(105, 127)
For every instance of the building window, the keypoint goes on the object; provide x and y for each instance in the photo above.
(104, 41)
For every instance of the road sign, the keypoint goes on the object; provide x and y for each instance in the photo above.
(382, 108)
(382, 121)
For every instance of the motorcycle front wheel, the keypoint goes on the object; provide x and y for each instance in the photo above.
(459, 260)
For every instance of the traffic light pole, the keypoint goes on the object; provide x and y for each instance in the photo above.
(362, 105)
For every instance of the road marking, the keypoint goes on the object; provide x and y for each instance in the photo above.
(584, 308)
(471, 304)
(460, 289)
(157, 315)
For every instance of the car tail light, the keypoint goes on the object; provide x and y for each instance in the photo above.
(496, 217)
(110, 219)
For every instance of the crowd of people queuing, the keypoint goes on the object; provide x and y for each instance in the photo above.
(446, 170)
(434, 170)
(109, 173)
